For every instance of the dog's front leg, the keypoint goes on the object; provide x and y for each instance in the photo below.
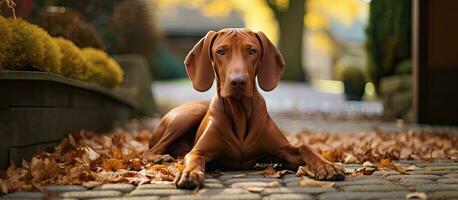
(193, 174)
(322, 168)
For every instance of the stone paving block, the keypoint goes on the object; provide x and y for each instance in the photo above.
(249, 184)
(159, 192)
(287, 176)
(372, 188)
(156, 186)
(423, 172)
(411, 162)
(212, 180)
(289, 179)
(239, 176)
(239, 180)
(436, 187)
(363, 195)
(301, 190)
(443, 195)
(124, 188)
(448, 181)
(414, 181)
(366, 181)
(288, 197)
(213, 185)
(90, 194)
(451, 175)
(24, 195)
(385, 173)
(65, 188)
(442, 168)
(131, 198)
(399, 177)
(250, 196)
(226, 191)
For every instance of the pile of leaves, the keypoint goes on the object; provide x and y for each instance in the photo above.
(90, 159)
(376, 145)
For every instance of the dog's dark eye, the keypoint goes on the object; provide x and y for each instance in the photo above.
(220, 52)
(252, 51)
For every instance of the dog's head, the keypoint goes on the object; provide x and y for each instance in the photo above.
(235, 56)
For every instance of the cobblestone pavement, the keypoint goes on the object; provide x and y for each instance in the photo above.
(438, 180)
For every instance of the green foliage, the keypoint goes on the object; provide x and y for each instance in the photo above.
(103, 70)
(66, 23)
(6, 38)
(404, 67)
(32, 47)
(388, 37)
(74, 64)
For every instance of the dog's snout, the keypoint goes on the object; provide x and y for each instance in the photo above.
(238, 80)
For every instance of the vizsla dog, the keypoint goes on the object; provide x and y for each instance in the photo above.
(234, 129)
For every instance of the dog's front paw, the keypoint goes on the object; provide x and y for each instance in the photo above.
(327, 171)
(189, 179)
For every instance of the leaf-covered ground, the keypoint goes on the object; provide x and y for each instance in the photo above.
(89, 159)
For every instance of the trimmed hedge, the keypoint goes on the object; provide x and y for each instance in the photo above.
(24, 46)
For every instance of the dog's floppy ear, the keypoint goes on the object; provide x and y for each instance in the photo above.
(199, 65)
(272, 65)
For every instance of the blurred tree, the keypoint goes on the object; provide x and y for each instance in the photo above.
(134, 29)
(290, 18)
(388, 37)
(67, 23)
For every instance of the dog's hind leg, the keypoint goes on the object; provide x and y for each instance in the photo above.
(175, 126)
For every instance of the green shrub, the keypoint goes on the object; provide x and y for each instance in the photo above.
(349, 71)
(388, 37)
(103, 70)
(74, 64)
(32, 47)
(6, 38)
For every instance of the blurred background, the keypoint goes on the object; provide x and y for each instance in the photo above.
(345, 59)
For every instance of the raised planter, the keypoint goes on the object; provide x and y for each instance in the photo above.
(38, 109)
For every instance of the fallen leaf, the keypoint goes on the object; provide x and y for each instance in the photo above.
(350, 158)
(239, 175)
(306, 182)
(255, 189)
(368, 164)
(417, 195)
(112, 165)
(91, 184)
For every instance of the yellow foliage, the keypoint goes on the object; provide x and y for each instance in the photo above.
(74, 64)
(32, 47)
(6, 37)
(256, 14)
(103, 70)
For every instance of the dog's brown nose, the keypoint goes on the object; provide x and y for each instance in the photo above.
(238, 81)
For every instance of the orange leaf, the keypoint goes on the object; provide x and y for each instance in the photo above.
(112, 165)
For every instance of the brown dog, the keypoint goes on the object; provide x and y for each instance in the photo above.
(233, 129)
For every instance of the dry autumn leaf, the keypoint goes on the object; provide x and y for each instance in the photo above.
(307, 182)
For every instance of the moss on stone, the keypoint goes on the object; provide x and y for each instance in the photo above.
(32, 47)
(103, 70)
(6, 38)
(74, 64)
